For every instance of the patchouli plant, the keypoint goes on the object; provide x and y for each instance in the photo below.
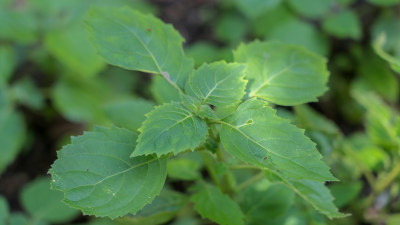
(225, 112)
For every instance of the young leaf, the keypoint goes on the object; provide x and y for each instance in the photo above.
(97, 176)
(211, 203)
(217, 84)
(43, 203)
(283, 74)
(170, 128)
(314, 192)
(256, 135)
(136, 41)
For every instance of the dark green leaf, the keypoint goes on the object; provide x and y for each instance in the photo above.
(97, 175)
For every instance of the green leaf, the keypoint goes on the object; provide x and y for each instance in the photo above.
(7, 64)
(211, 203)
(183, 169)
(97, 176)
(203, 52)
(256, 135)
(12, 135)
(254, 8)
(162, 91)
(170, 128)
(283, 74)
(42, 203)
(135, 41)
(128, 113)
(220, 84)
(313, 192)
(263, 203)
(4, 210)
(81, 100)
(27, 93)
(230, 28)
(311, 8)
(385, 84)
(75, 52)
(381, 120)
(378, 46)
(19, 219)
(309, 119)
(18, 26)
(306, 36)
(344, 24)
(344, 193)
(386, 36)
(161, 210)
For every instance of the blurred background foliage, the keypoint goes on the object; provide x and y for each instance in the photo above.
(54, 85)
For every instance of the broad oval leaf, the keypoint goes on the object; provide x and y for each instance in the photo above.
(211, 203)
(170, 128)
(97, 176)
(218, 84)
(283, 74)
(137, 41)
(256, 135)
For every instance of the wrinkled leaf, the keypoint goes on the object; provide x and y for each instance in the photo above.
(254, 134)
(218, 84)
(135, 41)
(283, 74)
(170, 128)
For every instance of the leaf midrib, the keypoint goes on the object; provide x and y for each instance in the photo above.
(269, 151)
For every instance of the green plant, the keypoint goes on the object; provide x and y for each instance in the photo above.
(223, 112)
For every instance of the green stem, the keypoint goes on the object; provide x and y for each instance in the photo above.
(251, 181)
(388, 179)
(383, 184)
(229, 182)
(210, 166)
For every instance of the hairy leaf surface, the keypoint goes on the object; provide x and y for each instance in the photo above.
(137, 41)
(211, 203)
(256, 135)
(283, 74)
(217, 84)
(97, 176)
(170, 128)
